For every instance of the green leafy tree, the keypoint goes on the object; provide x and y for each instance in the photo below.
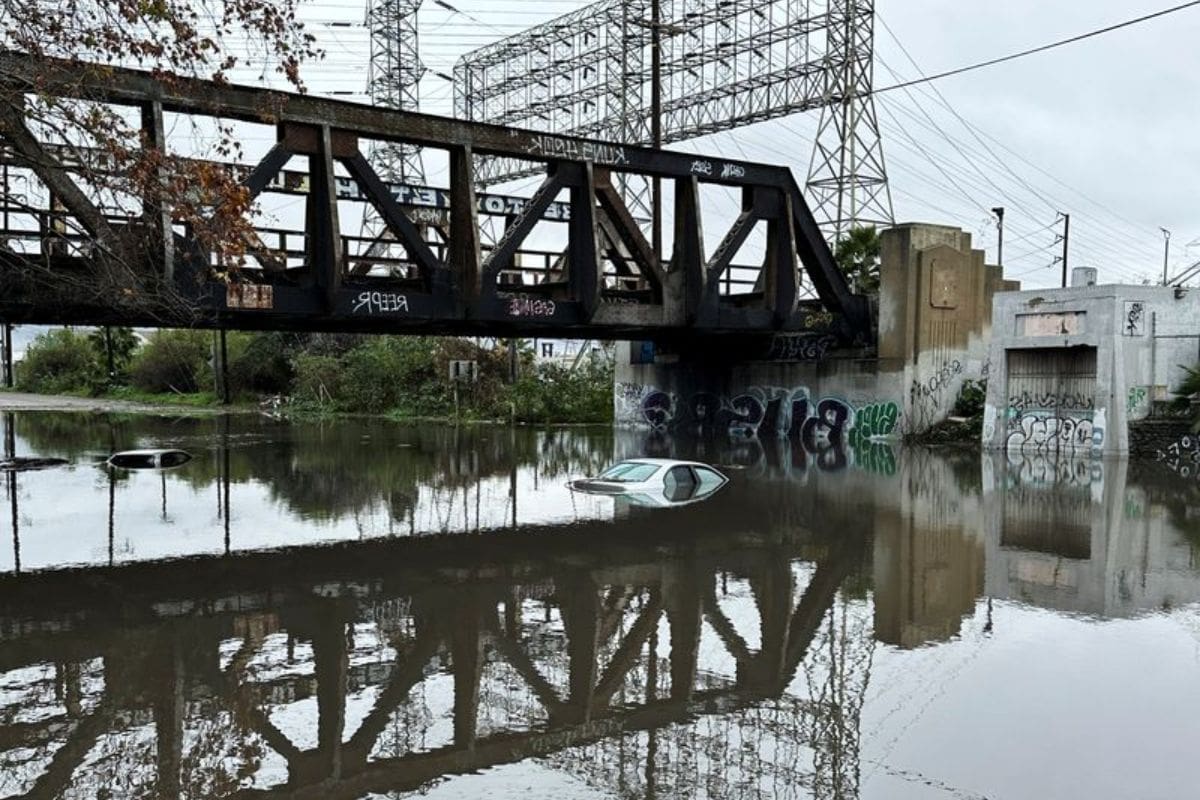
(174, 361)
(59, 361)
(857, 254)
(124, 343)
(110, 171)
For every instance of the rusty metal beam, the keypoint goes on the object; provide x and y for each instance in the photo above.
(250, 104)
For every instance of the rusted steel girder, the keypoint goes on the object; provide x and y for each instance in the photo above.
(607, 284)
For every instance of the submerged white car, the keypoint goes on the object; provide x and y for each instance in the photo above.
(655, 482)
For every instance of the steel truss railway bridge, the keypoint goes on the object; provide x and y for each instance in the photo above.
(438, 273)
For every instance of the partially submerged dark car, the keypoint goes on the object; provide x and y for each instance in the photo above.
(149, 459)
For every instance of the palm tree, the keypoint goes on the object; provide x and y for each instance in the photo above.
(857, 254)
(1186, 391)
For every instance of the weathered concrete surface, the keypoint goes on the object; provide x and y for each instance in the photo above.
(934, 324)
(1072, 368)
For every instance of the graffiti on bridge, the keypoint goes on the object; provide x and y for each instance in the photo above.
(801, 347)
(829, 429)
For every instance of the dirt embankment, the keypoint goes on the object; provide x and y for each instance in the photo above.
(18, 401)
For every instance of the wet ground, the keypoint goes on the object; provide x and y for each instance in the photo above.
(363, 609)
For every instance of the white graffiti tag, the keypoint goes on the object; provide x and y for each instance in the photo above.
(530, 307)
(581, 151)
(380, 303)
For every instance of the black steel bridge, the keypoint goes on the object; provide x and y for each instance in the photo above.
(433, 269)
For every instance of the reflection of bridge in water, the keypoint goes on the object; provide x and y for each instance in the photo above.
(436, 659)
(717, 650)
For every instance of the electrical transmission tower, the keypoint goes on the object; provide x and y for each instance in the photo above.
(723, 64)
(394, 79)
(847, 179)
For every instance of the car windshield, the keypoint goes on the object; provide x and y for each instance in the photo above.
(628, 472)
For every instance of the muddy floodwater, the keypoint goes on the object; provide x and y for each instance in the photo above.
(361, 609)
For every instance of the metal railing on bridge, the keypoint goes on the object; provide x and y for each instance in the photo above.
(432, 270)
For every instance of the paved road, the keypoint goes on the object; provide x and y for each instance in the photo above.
(19, 401)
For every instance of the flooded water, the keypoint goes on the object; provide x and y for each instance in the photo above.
(367, 610)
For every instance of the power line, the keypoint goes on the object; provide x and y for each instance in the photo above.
(1115, 244)
(1118, 246)
(1041, 49)
(980, 135)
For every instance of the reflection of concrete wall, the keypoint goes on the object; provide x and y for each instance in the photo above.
(1141, 335)
(1072, 535)
(928, 559)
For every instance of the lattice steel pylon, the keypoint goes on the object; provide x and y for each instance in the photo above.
(394, 79)
(725, 64)
(847, 179)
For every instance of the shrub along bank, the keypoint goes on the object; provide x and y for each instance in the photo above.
(399, 376)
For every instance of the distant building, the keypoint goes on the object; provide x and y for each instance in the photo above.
(565, 351)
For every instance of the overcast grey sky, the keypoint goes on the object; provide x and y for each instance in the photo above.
(1111, 120)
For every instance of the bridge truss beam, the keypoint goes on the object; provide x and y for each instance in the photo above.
(608, 285)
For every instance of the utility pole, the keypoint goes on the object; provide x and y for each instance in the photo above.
(1066, 246)
(1166, 252)
(9, 378)
(656, 134)
(999, 212)
(108, 351)
(221, 366)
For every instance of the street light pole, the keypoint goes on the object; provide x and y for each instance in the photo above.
(999, 212)
(1166, 252)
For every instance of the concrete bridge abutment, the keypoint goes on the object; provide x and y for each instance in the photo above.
(933, 323)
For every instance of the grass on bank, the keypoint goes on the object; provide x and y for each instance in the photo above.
(320, 375)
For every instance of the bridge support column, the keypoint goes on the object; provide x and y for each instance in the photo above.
(156, 216)
(465, 254)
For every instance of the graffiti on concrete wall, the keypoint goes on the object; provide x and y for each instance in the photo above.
(872, 422)
(1182, 456)
(989, 425)
(1043, 432)
(628, 399)
(1135, 318)
(929, 396)
(1137, 403)
(829, 429)
(1051, 401)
